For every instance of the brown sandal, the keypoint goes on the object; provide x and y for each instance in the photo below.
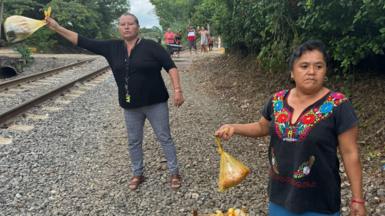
(135, 182)
(176, 182)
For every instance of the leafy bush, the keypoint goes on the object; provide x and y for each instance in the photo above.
(354, 31)
(95, 19)
(25, 53)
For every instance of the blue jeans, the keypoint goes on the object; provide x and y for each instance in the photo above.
(158, 116)
(277, 210)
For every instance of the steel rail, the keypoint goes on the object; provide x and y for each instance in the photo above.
(7, 84)
(15, 111)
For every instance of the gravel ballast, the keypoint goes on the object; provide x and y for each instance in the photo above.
(76, 161)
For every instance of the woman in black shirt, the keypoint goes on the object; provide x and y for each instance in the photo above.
(136, 65)
(307, 124)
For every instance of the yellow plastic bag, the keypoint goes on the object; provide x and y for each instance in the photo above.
(231, 212)
(18, 28)
(231, 171)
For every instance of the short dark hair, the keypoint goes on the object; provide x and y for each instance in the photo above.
(309, 45)
(132, 15)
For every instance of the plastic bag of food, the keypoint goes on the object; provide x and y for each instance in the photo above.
(231, 212)
(18, 28)
(231, 171)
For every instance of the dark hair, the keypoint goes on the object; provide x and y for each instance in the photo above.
(309, 45)
(132, 15)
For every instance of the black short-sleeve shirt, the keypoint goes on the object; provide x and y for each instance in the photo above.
(138, 75)
(304, 174)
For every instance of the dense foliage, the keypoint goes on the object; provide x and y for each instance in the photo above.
(175, 14)
(93, 19)
(154, 33)
(353, 30)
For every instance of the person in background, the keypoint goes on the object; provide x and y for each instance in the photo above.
(178, 42)
(169, 40)
(204, 39)
(306, 125)
(211, 42)
(191, 39)
(136, 64)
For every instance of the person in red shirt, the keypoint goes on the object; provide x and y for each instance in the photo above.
(191, 37)
(169, 38)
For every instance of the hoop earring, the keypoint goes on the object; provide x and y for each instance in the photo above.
(326, 79)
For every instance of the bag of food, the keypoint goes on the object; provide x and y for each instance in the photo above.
(231, 171)
(18, 28)
(231, 212)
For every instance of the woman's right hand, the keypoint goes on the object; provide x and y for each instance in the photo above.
(52, 24)
(225, 132)
(67, 34)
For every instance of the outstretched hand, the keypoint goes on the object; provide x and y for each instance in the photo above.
(66, 33)
(225, 132)
(51, 23)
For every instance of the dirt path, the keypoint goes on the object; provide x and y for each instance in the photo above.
(216, 94)
(76, 162)
(209, 104)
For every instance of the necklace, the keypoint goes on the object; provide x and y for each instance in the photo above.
(127, 74)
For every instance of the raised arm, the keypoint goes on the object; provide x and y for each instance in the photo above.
(256, 129)
(67, 34)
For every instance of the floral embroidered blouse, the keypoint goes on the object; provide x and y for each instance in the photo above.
(304, 174)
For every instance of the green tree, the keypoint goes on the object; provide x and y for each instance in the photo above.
(175, 14)
(210, 12)
(153, 33)
(354, 30)
(94, 19)
(23, 7)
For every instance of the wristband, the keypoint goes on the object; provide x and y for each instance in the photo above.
(359, 201)
(178, 90)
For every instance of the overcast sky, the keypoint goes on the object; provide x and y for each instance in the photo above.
(145, 12)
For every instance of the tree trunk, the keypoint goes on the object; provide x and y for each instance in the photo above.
(1, 16)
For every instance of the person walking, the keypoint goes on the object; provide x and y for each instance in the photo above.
(136, 64)
(178, 42)
(307, 124)
(169, 40)
(211, 42)
(191, 39)
(204, 39)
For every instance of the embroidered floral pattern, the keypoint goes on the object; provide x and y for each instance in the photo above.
(274, 163)
(304, 169)
(298, 131)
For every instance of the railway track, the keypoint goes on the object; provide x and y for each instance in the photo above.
(4, 86)
(20, 95)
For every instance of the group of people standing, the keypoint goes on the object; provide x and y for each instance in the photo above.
(308, 124)
(173, 40)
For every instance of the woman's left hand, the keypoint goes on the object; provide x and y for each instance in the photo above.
(51, 23)
(357, 209)
(178, 98)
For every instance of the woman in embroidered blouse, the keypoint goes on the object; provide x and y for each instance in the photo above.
(307, 124)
